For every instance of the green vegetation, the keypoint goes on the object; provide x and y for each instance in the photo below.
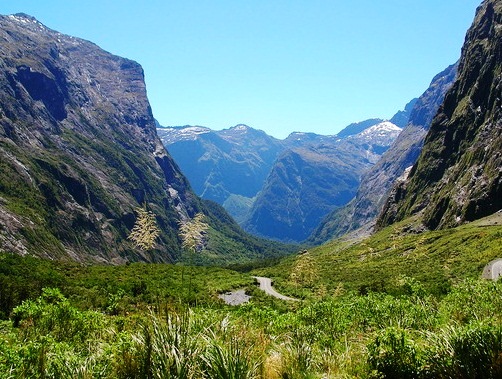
(438, 259)
(423, 314)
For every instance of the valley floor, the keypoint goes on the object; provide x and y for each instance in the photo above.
(397, 305)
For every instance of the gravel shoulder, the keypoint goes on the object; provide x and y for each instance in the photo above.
(235, 298)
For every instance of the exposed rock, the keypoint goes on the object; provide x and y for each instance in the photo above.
(458, 177)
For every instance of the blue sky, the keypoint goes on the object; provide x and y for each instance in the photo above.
(276, 65)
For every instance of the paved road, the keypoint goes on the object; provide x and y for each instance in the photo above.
(266, 285)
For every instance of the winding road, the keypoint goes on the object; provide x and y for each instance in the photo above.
(266, 285)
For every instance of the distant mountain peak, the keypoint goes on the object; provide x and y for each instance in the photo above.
(23, 17)
(382, 127)
(169, 134)
(358, 127)
(382, 135)
(241, 127)
(196, 129)
(401, 117)
(240, 130)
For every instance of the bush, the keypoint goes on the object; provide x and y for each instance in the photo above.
(393, 354)
(228, 360)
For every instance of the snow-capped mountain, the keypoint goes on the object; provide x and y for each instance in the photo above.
(238, 165)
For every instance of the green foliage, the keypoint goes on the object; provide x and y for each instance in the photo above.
(54, 339)
(304, 272)
(393, 354)
(228, 359)
(24, 278)
(473, 300)
(136, 321)
(470, 351)
(436, 259)
(52, 314)
(169, 349)
(376, 335)
(62, 205)
(299, 358)
(228, 244)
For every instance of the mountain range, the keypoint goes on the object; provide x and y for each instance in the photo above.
(80, 152)
(256, 176)
(307, 182)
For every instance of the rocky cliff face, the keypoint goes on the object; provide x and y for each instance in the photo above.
(458, 177)
(378, 181)
(79, 151)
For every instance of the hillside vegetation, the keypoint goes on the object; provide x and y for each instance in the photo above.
(391, 306)
(438, 259)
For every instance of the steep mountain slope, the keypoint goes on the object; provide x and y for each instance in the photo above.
(378, 181)
(458, 177)
(223, 166)
(79, 151)
(307, 182)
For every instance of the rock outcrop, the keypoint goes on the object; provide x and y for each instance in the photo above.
(458, 177)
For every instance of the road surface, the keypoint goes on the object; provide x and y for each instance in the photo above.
(266, 285)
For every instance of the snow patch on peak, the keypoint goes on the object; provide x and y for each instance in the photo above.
(195, 130)
(240, 128)
(382, 134)
(24, 19)
(170, 135)
(385, 127)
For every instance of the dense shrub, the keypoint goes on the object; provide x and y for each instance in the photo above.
(394, 354)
